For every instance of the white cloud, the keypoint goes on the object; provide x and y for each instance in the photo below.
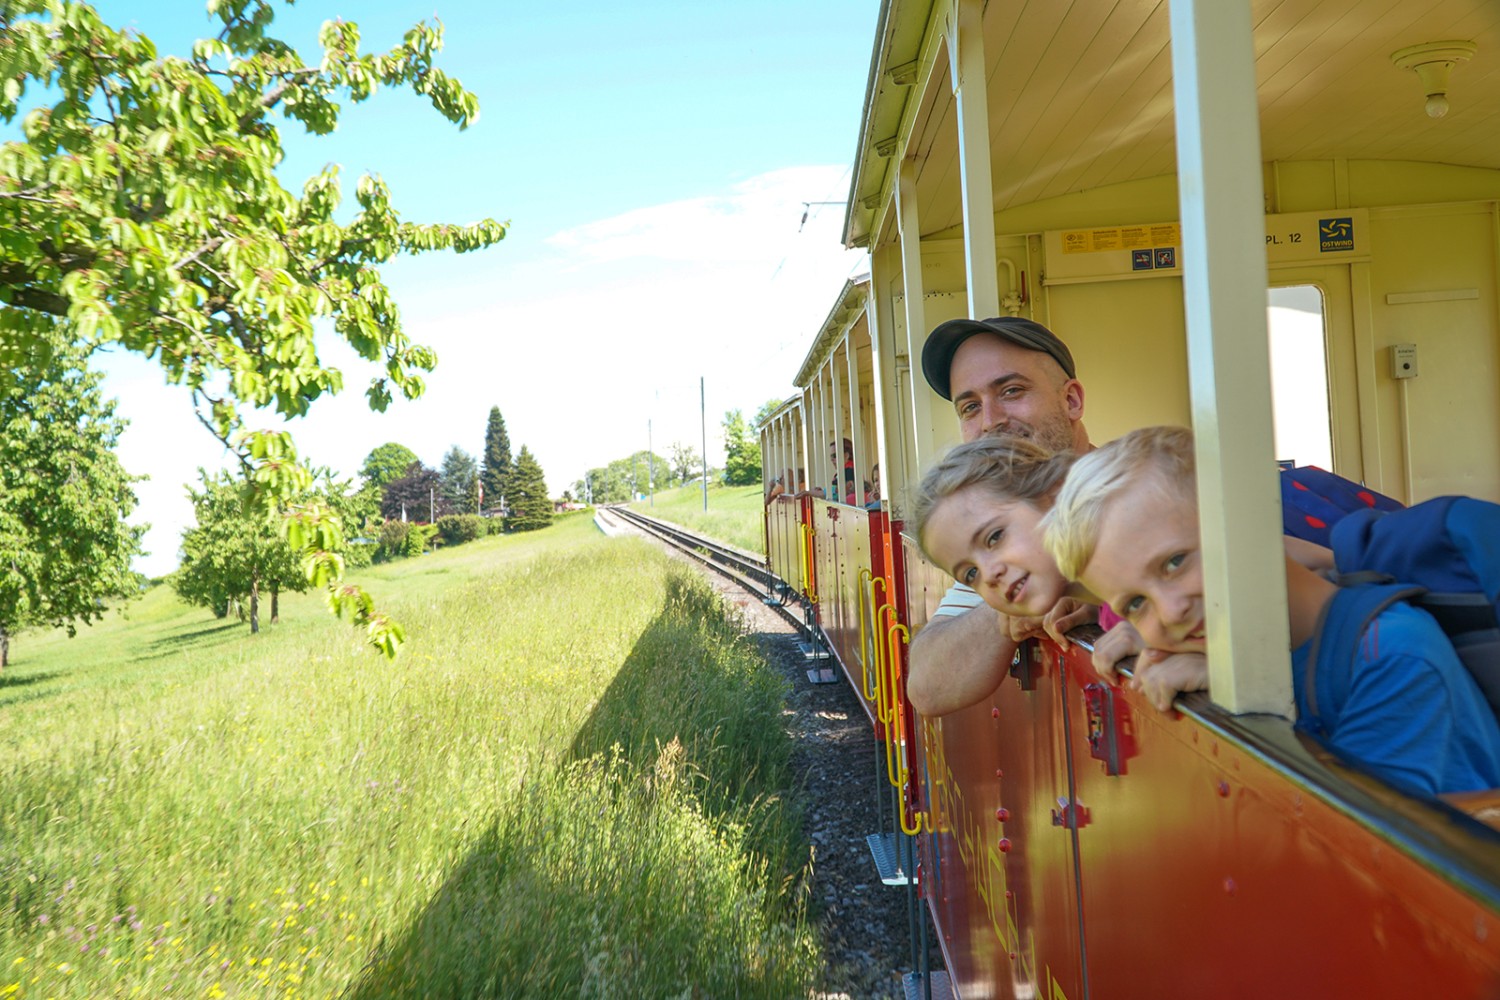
(580, 339)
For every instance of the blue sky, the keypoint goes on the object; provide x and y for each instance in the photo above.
(652, 160)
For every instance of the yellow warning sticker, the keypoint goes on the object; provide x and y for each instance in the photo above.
(1121, 238)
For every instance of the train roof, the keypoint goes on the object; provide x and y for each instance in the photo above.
(1080, 96)
(847, 307)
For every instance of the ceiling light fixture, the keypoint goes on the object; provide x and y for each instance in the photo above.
(1433, 62)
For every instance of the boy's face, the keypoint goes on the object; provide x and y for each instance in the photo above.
(995, 546)
(1146, 565)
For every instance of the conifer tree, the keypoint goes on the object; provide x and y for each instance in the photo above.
(530, 506)
(497, 465)
(460, 481)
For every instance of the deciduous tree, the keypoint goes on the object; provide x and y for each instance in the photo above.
(686, 462)
(741, 451)
(386, 463)
(236, 551)
(65, 546)
(142, 208)
(416, 496)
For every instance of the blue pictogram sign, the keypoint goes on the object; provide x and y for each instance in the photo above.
(1335, 234)
(1166, 256)
(1140, 260)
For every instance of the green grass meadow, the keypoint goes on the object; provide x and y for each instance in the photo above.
(571, 783)
(735, 513)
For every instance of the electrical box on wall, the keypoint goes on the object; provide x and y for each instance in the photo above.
(1403, 361)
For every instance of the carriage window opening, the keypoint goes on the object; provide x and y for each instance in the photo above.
(1299, 376)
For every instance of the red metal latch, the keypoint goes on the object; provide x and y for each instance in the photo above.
(1071, 815)
(1026, 665)
(1111, 738)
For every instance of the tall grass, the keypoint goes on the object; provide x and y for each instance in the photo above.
(571, 784)
(734, 515)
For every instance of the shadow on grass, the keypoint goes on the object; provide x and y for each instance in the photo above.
(655, 856)
(170, 645)
(12, 680)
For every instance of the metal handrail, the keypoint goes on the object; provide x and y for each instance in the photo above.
(896, 773)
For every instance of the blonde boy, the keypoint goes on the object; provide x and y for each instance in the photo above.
(1125, 525)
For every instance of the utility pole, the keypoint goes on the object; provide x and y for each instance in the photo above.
(703, 423)
(650, 465)
(431, 505)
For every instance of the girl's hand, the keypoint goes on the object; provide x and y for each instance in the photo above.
(1068, 613)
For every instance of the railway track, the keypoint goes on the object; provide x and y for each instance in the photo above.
(862, 919)
(747, 570)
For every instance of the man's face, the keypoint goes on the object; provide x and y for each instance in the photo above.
(999, 388)
(1147, 565)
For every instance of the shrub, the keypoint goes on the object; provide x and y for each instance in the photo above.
(360, 554)
(392, 544)
(416, 540)
(455, 529)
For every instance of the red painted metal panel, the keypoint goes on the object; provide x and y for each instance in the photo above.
(1202, 849)
(1006, 896)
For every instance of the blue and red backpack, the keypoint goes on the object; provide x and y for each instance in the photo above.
(1313, 500)
(1442, 556)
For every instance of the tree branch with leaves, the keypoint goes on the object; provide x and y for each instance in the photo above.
(142, 209)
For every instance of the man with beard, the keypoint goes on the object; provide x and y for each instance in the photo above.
(1006, 375)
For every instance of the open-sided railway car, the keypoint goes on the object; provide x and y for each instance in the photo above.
(1145, 178)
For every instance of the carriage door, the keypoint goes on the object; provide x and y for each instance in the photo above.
(1313, 389)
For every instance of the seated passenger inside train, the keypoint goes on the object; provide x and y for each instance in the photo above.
(847, 494)
(1125, 526)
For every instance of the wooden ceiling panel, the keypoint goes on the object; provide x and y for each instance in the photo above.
(1125, 106)
(1090, 55)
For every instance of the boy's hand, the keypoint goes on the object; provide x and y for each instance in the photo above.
(1067, 613)
(1161, 676)
(1119, 643)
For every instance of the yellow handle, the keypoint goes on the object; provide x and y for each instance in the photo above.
(809, 585)
(881, 694)
(872, 692)
(864, 633)
(802, 557)
(918, 822)
(895, 762)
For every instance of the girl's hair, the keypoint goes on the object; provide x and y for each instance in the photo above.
(1006, 467)
(1071, 530)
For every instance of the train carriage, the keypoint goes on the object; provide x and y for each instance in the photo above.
(1277, 221)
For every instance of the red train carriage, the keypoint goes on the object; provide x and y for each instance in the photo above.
(1137, 176)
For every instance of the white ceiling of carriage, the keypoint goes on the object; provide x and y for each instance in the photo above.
(1080, 94)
